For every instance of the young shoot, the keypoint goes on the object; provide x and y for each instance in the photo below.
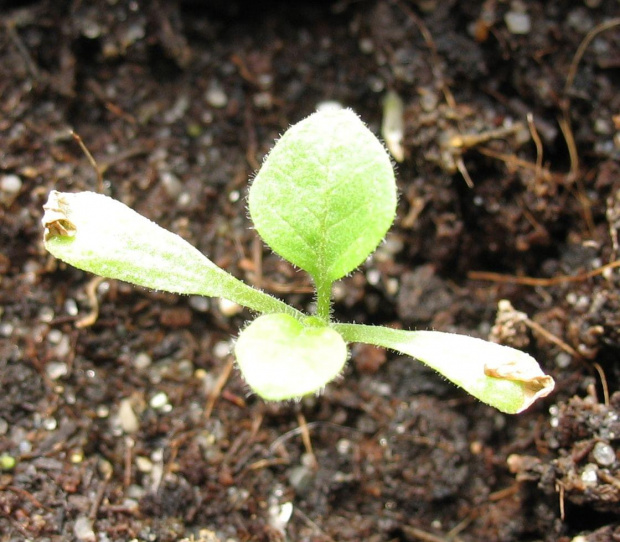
(323, 199)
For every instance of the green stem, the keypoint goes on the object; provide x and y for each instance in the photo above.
(323, 299)
(237, 291)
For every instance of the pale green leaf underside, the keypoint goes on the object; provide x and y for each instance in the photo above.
(325, 196)
(469, 362)
(281, 358)
(101, 235)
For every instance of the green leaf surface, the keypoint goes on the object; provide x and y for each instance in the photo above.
(281, 358)
(102, 235)
(503, 377)
(325, 196)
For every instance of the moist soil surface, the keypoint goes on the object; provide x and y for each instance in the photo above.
(122, 415)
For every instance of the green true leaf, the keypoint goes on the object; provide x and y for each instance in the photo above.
(282, 358)
(325, 196)
(503, 377)
(102, 235)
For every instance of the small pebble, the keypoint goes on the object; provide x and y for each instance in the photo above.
(344, 446)
(76, 457)
(142, 360)
(132, 504)
(46, 314)
(216, 97)
(329, 105)
(159, 401)
(263, 100)
(172, 185)
(428, 100)
(392, 286)
(280, 515)
(300, 478)
(589, 476)
(184, 199)
(229, 308)
(127, 417)
(54, 336)
(604, 454)
(135, 491)
(221, 349)
(373, 276)
(199, 303)
(11, 184)
(366, 46)
(562, 360)
(376, 84)
(185, 369)
(234, 196)
(265, 80)
(83, 529)
(7, 462)
(91, 30)
(144, 464)
(50, 424)
(4, 426)
(56, 370)
(518, 23)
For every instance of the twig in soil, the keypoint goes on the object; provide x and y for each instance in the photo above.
(91, 160)
(551, 337)
(294, 432)
(460, 526)
(503, 493)
(27, 495)
(564, 120)
(91, 293)
(217, 388)
(305, 437)
(604, 385)
(430, 43)
(23, 51)
(544, 282)
(313, 525)
(537, 143)
(460, 164)
(265, 463)
(530, 281)
(117, 111)
(559, 487)
(425, 536)
(513, 160)
(608, 478)
(255, 267)
(567, 132)
(16, 524)
(94, 509)
(129, 445)
(445, 89)
(572, 71)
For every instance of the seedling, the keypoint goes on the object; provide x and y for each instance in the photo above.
(323, 199)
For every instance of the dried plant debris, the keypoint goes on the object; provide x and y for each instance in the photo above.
(586, 471)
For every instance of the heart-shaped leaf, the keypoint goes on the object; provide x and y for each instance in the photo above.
(281, 358)
(325, 196)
